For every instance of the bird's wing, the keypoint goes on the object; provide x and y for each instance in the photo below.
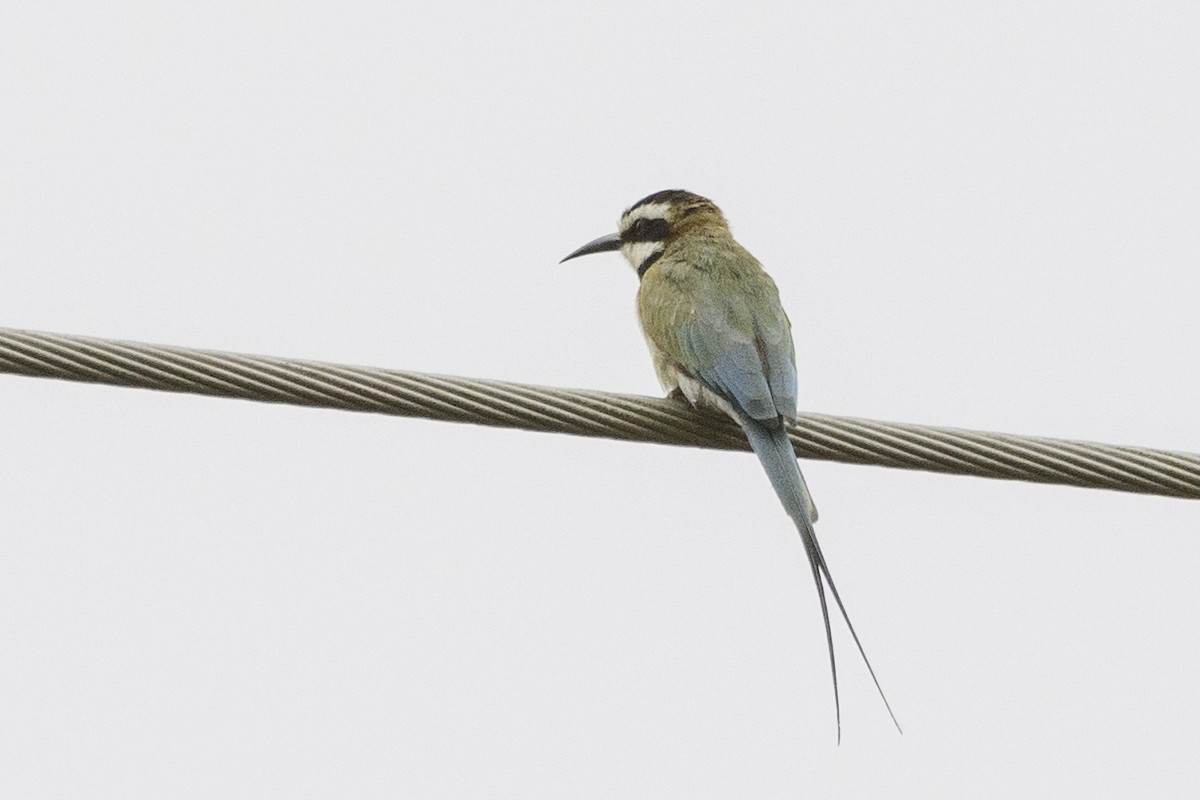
(739, 345)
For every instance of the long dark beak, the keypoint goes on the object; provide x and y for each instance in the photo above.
(610, 242)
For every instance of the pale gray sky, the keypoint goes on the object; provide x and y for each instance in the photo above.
(979, 217)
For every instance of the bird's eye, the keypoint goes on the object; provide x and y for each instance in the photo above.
(647, 230)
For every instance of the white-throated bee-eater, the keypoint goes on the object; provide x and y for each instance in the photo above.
(719, 336)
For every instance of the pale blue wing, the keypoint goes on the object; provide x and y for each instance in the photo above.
(743, 352)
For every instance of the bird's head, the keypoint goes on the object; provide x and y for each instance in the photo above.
(653, 223)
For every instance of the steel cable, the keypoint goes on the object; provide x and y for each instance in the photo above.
(590, 413)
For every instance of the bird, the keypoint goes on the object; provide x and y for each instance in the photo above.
(718, 335)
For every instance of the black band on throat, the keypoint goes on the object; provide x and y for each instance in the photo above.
(648, 262)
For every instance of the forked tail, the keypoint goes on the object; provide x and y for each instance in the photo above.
(770, 443)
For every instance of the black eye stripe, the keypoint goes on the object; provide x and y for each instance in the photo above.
(647, 230)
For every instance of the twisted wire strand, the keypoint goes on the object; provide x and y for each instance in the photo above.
(589, 413)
